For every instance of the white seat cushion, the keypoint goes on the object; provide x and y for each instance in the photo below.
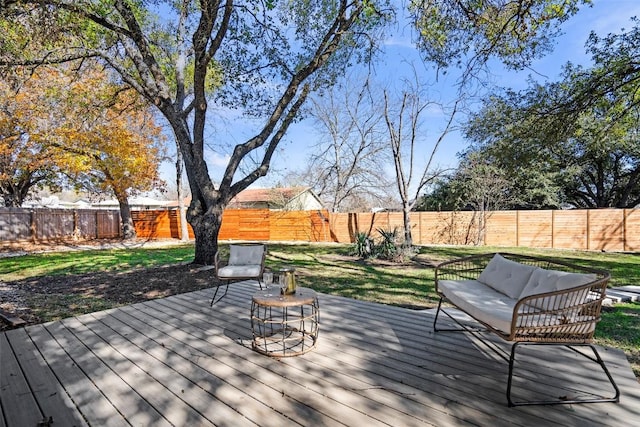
(239, 271)
(480, 301)
(506, 276)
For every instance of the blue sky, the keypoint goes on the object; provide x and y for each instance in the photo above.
(605, 16)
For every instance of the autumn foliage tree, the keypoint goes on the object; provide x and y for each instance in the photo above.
(75, 126)
(27, 159)
(113, 137)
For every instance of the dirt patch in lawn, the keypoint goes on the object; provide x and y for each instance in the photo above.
(41, 299)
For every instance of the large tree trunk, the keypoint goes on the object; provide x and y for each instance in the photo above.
(128, 229)
(206, 227)
(14, 193)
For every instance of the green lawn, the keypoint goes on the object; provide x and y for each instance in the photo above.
(331, 269)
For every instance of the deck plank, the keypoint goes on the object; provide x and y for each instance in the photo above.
(289, 383)
(417, 372)
(129, 364)
(464, 377)
(19, 405)
(178, 361)
(53, 401)
(89, 400)
(124, 397)
(193, 383)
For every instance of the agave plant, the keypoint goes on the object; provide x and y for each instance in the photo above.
(363, 245)
(388, 246)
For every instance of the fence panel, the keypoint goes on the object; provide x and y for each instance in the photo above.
(53, 224)
(632, 230)
(535, 229)
(570, 229)
(606, 230)
(320, 227)
(87, 224)
(15, 224)
(285, 225)
(600, 229)
(19, 224)
(153, 224)
(255, 225)
(501, 229)
(108, 224)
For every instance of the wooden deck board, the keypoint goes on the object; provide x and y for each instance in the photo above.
(18, 403)
(123, 396)
(293, 387)
(454, 393)
(177, 361)
(89, 400)
(53, 401)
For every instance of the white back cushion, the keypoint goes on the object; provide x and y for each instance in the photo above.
(245, 254)
(543, 281)
(506, 276)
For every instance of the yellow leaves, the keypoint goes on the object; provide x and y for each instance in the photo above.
(84, 123)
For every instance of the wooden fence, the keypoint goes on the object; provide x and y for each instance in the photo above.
(18, 224)
(600, 229)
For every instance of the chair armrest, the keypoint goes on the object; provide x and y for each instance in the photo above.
(569, 315)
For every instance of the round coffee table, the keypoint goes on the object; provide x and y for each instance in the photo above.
(284, 325)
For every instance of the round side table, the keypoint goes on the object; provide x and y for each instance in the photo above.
(284, 325)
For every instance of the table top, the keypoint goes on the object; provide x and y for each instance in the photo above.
(272, 297)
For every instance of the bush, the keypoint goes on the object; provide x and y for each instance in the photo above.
(387, 247)
(363, 245)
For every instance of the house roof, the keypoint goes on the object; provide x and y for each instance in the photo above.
(253, 195)
(271, 197)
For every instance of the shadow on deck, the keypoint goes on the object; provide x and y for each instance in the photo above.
(177, 361)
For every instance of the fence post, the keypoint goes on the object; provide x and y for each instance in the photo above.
(76, 225)
(32, 227)
(553, 229)
(588, 230)
(624, 230)
(97, 224)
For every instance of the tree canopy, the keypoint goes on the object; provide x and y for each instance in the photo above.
(514, 31)
(577, 138)
(68, 127)
(27, 160)
(265, 56)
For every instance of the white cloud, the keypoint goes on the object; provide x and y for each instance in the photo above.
(216, 159)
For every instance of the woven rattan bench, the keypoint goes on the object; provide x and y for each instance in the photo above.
(527, 300)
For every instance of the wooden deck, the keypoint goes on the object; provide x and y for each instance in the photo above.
(176, 361)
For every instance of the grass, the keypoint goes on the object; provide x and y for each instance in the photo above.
(79, 262)
(330, 269)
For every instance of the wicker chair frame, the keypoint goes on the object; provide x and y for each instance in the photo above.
(564, 317)
(226, 281)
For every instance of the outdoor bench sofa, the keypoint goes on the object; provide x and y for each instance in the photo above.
(526, 300)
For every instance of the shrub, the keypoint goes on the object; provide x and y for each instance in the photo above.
(363, 245)
(387, 247)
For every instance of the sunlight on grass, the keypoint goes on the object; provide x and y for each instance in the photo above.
(81, 262)
(620, 328)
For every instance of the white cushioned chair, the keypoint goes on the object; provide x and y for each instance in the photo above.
(246, 262)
